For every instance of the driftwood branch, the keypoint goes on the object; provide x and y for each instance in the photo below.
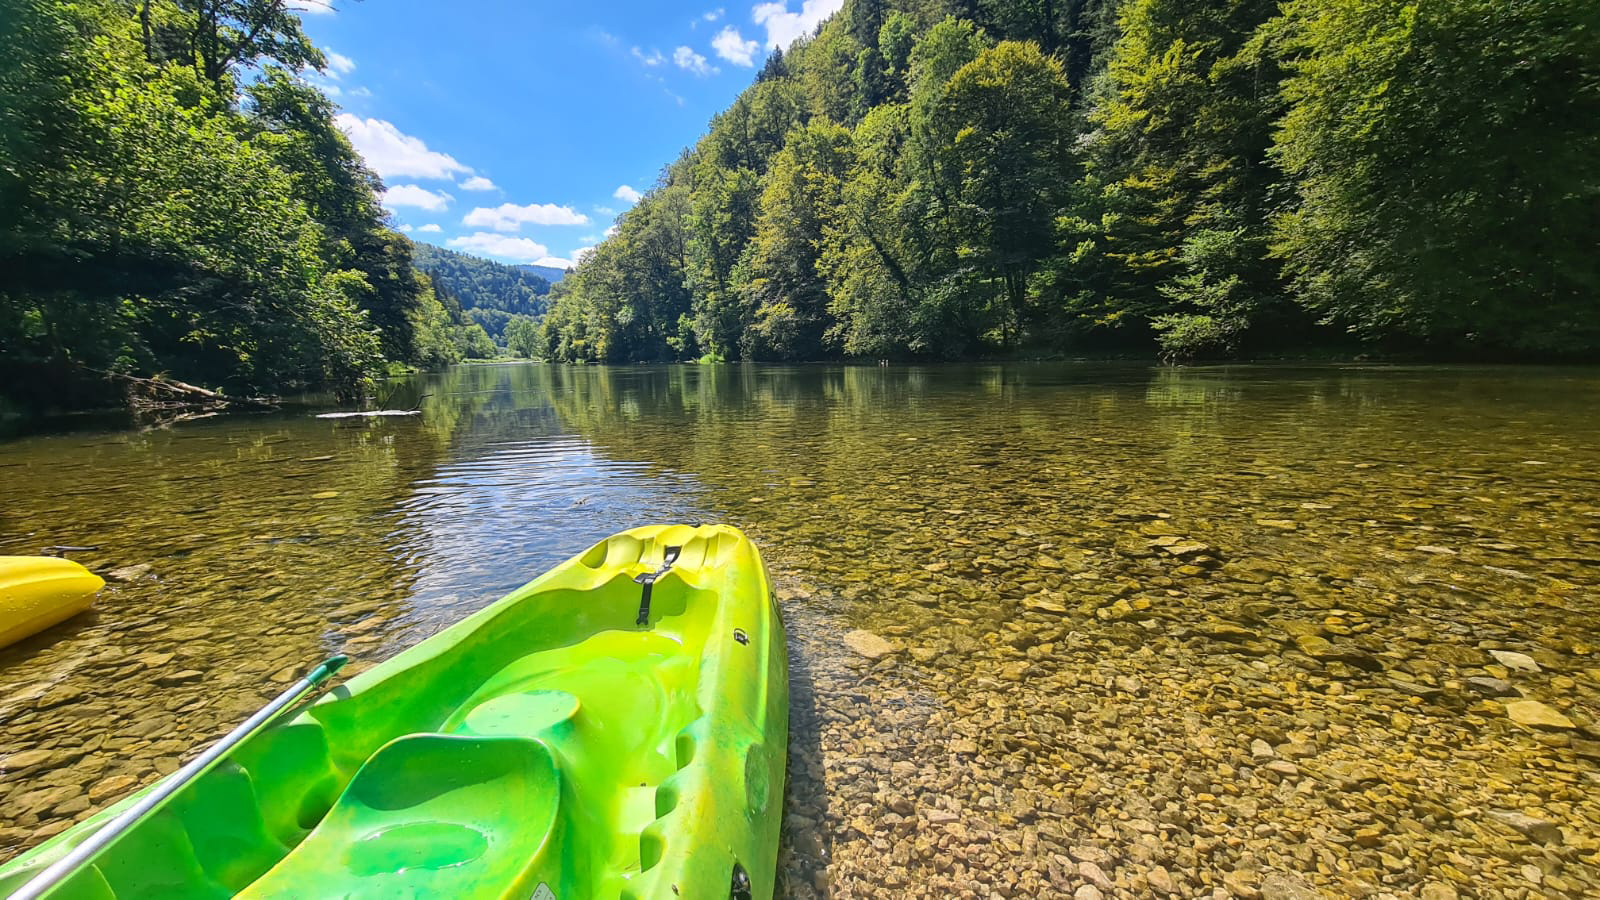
(161, 392)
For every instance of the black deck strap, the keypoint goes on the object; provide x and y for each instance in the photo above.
(648, 579)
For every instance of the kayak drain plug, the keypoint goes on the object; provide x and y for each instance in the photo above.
(741, 637)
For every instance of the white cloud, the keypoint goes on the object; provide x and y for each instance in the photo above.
(361, 92)
(502, 246)
(627, 195)
(406, 228)
(413, 195)
(785, 27)
(478, 183)
(605, 210)
(652, 59)
(714, 15)
(691, 61)
(328, 87)
(313, 7)
(510, 217)
(731, 46)
(580, 254)
(429, 229)
(554, 262)
(339, 64)
(392, 153)
(612, 231)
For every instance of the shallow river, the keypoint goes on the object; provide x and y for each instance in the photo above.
(1201, 632)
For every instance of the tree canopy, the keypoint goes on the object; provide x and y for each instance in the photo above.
(161, 214)
(947, 178)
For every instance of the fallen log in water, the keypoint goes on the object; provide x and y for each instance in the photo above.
(161, 392)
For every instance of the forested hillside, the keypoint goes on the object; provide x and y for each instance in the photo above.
(491, 294)
(548, 273)
(162, 214)
(948, 178)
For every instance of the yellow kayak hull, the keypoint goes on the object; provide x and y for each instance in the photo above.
(39, 591)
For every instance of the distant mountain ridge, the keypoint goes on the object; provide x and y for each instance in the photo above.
(548, 273)
(489, 293)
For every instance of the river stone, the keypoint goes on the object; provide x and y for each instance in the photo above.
(1536, 715)
(1437, 890)
(129, 573)
(1280, 886)
(1161, 880)
(1315, 647)
(1519, 662)
(1095, 875)
(1089, 854)
(1491, 687)
(1044, 603)
(1534, 829)
(27, 759)
(1224, 631)
(1087, 892)
(111, 787)
(868, 644)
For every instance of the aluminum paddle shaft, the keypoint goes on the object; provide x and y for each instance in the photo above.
(82, 854)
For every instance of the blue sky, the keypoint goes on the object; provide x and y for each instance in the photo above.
(518, 131)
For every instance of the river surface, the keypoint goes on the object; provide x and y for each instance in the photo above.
(1242, 631)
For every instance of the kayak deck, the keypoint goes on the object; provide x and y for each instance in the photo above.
(548, 746)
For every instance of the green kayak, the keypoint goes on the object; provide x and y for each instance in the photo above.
(615, 729)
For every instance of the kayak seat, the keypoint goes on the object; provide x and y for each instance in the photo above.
(431, 815)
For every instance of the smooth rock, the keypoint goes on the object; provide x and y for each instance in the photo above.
(1536, 715)
(868, 644)
(1161, 880)
(1534, 829)
(1281, 886)
(1044, 603)
(1241, 883)
(1519, 662)
(1491, 687)
(1087, 892)
(1315, 647)
(107, 788)
(129, 573)
(1437, 890)
(1089, 854)
(27, 759)
(1095, 875)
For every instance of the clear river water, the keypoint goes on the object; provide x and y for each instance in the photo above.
(1273, 632)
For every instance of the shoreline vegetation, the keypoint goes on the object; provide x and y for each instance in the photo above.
(952, 179)
(177, 205)
(919, 180)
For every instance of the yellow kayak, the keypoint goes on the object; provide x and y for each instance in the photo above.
(39, 591)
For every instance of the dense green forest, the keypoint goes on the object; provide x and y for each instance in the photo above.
(947, 178)
(492, 295)
(161, 214)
